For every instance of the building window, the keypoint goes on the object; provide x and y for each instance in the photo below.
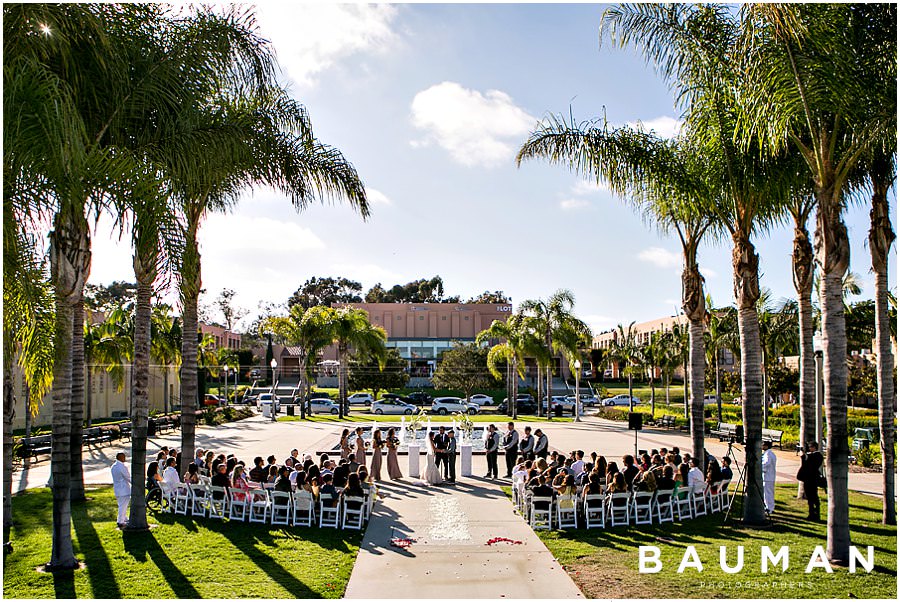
(421, 317)
(467, 317)
(444, 318)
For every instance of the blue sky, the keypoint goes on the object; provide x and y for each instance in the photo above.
(430, 102)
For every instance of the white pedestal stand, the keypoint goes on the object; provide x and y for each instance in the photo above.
(465, 462)
(413, 461)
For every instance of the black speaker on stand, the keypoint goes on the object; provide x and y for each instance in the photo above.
(635, 423)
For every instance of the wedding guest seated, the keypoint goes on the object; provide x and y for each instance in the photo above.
(539, 488)
(353, 489)
(681, 476)
(600, 466)
(582, 479)
(541, 464)
(220, 479)
(161, 457)
(271, 461)
(314, 473)
(577, 465)
(676, 456)
(645, 481)
(198, 457)
(352, 464)
(618, 484)
(170, 474)
(289, 462)
(328, 468)
(230, 463)
(567, 487)
(666, 481)
(308, 462)
(630, 471)
(670, 461)
(727, 473)
(239, 478)
(686, 458)
(294, 457)
(341, 472)
(153, 476)
(192, 476)
(283, 482)
(713, 473)
(323, 461)
(612, 469)
(645, 462)
(297, 477)
(273, 474)
(594, 486)
(258, 473)
(696, 478)
(328, 487)
(312, 484)
(363, 474)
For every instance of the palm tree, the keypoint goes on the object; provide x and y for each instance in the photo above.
(518, 335)
(625, 351)
(551, 317)
(350, 328)
(107, 346)
(165, 344)
(777, 334)
(818, 85)
(717, 336)
(653, 356)
(306, 329)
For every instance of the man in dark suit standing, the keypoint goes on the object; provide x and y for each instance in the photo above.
(440, 451)
(810, 463)
(491, 447)
(541, 445)
(526, 445)
(450, 461)
(510, 448)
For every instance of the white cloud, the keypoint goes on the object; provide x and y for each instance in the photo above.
(367, 273)
(709, 273)
(572, 204)
(585, 187)
(225, 234)
(660, 257)
(665, 126)
(311, 38)
(376, 197)
(599, 322)
(475, 128)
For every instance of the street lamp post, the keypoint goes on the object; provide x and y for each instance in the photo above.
(818, 350)
(577, 391)
(226, 385)
(274, 364)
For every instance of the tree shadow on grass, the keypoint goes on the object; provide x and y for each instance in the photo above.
(142, 545)
(64, 585)
(99, 569)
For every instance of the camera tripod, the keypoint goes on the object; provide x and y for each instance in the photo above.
(741, 486)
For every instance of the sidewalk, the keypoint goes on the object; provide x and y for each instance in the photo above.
(450, 557)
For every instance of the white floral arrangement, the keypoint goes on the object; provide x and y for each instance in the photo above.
(415, 421)
(464, 424)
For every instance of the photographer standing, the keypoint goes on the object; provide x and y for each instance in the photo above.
(810, 463)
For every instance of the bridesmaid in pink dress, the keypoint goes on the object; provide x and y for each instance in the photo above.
(360, 447)
(345, 444)
(377, 444)
(393, 465)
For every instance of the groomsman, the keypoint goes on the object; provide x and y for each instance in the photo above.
(450, 461)
(527, 444)
(510, 448)
(541, 445)
(491, 447)
(440, 451)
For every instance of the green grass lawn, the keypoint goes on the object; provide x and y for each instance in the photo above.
(367, 418)
(180, 558)
(604, 562)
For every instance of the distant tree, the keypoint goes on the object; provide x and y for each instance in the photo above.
(862, 382)
(325, 291)
(860, 319)
(231, 312)
(417, 291)
(99, 297)
(365, 374)
(781, 379)
(464, 367)
(489, 297)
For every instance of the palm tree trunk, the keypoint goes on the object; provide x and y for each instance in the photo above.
(881, 236)
(833, 256)
(70, 260)
(718, 387)
(8, 414)
(765, 389)
(547, 386)
(343, 351)
(698, 367)
(630, 393)
(652, 398)
(515, 382)
(687, 397)
(28, 420)
(745, 263)
(145, 274)
(190, 292)
(802, 263)
(89, 394)
(668, 382)
(303, 385)
(165, 367)
(76, 470)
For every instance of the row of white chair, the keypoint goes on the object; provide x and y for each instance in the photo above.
(638, 507)
(259, 505)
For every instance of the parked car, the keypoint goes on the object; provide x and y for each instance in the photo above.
(587, 400)
(558, 400)
(481, 399)
(448, 405)
(266, 399)
(620, 400)
(322, 406)
(317, 395)
(710, 400)
(523, 406)
(418, 398)
(393, 406)
(360, 399)
(213, 400)
(255, 373)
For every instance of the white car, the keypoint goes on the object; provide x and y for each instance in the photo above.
(266, 399)
(393, 406)
(449, 405)
(360, 399)
(620, 400)
(587, 400)
(322, 406)
(558, 400)
(481, 399)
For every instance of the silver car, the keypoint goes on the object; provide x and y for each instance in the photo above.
(393, 406)
(322, 406)
(449, 405)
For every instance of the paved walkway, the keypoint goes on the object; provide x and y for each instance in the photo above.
(450, 557)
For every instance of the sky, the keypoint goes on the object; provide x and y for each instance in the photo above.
(430, 102)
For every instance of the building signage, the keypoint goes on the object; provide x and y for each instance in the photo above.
(504, 308)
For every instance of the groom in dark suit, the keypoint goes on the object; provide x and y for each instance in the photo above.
(450, 461)
(440, 450)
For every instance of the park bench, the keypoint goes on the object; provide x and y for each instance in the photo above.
(95, 435)
(724, 431)
(35, 446)
(773, 437)
(125, 430)
(667, 422)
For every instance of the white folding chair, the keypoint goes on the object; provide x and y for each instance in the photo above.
(304, 509)
(353, 509)
(566, 512)
(281, 504)
(329, 512)
(698, 499)
(199, 499)
(682, 502)
(712, 497)
(662, 503)
(617, 508)
(371, 492)
(258, 502)
(642, 507)
(595, 510)
(205, 480)
(724, 497)
(218, 502)
(183, 498)
(541, 518)
(237, 504)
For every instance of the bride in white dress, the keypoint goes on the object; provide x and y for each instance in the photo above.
(432, 473)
